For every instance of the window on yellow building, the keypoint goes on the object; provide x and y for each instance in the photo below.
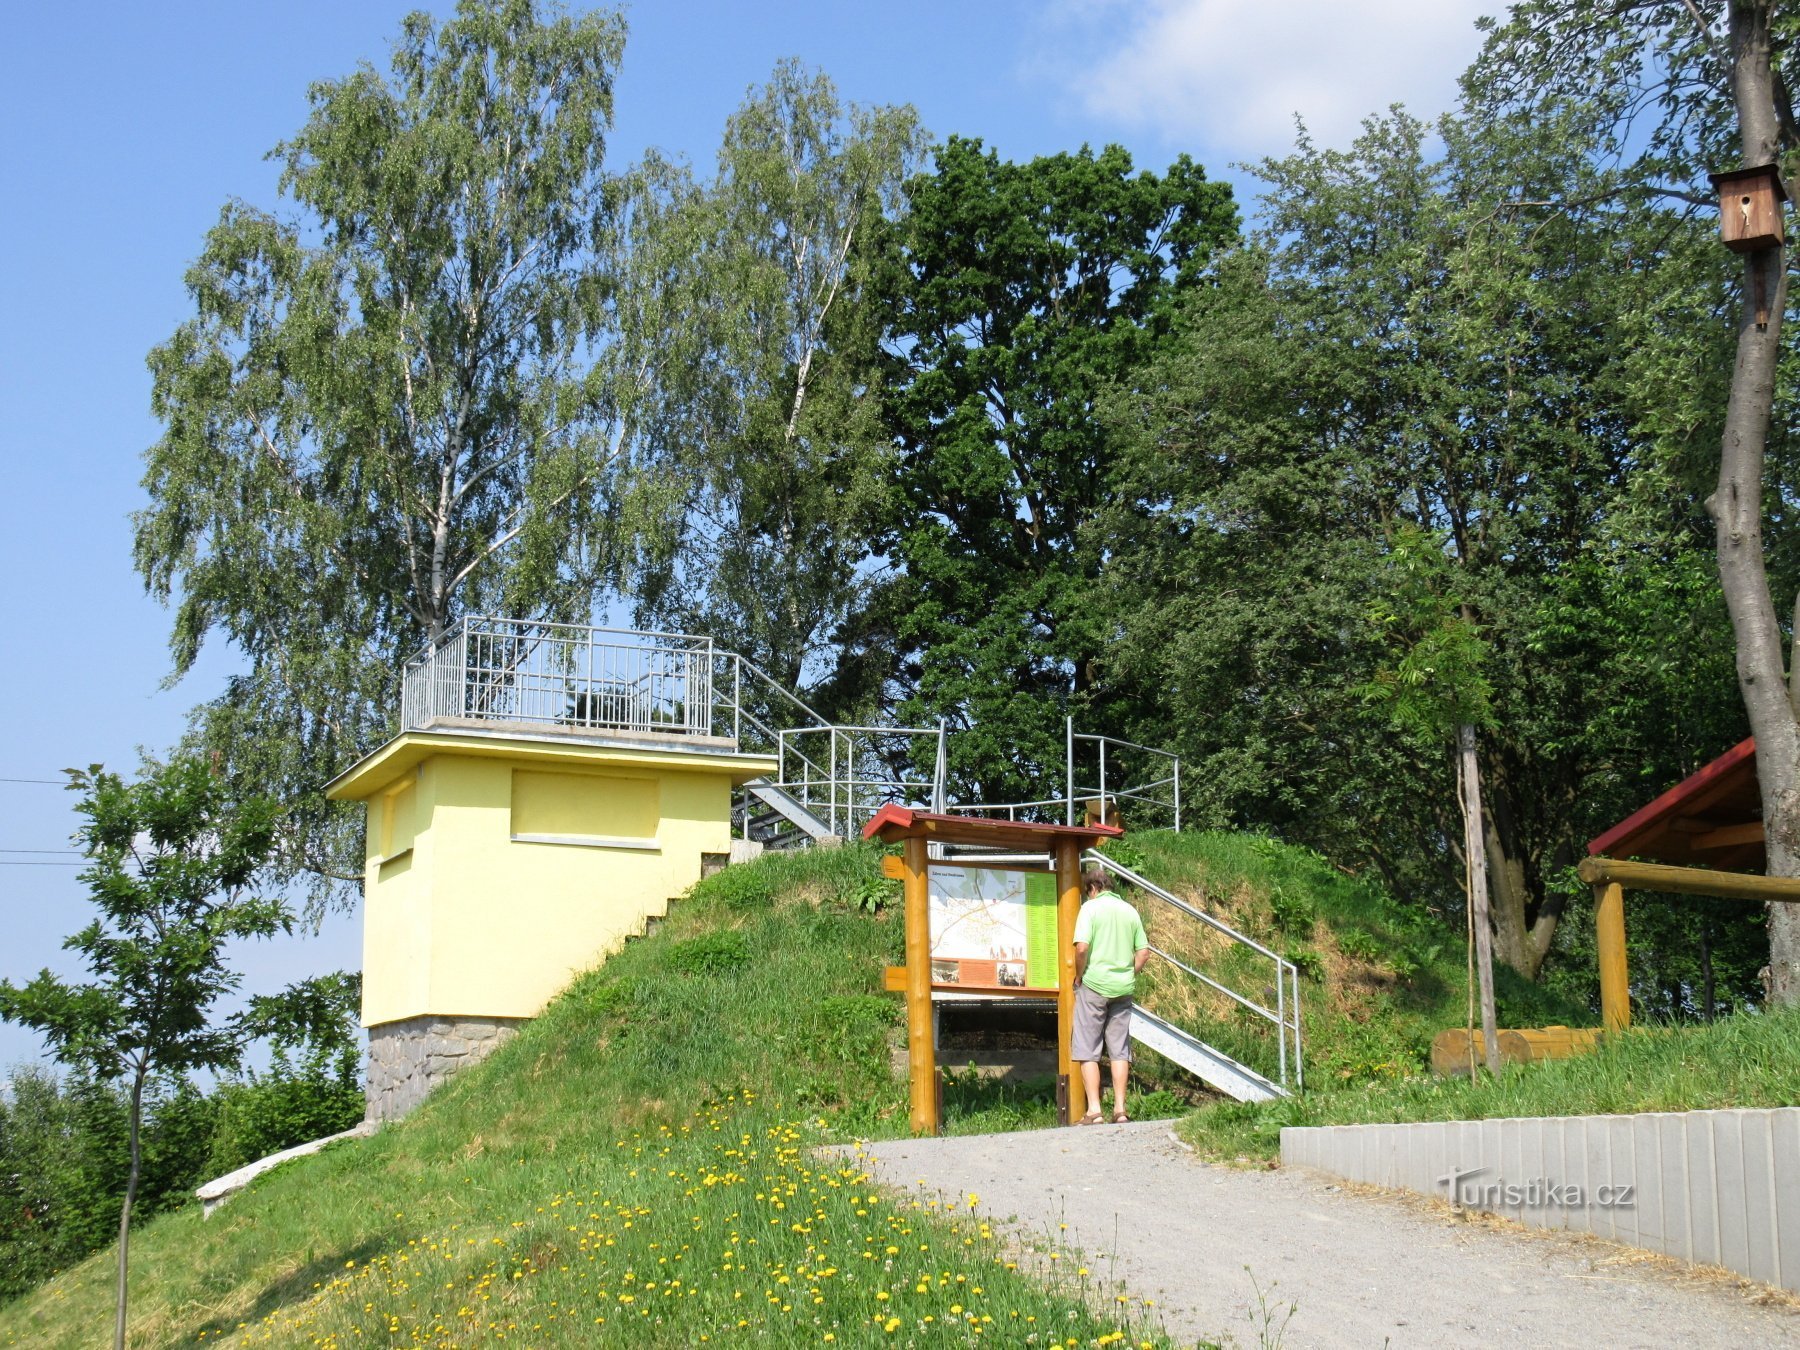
(596, 810)
(399, 823)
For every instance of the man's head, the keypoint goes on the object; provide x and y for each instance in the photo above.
(1093, 879)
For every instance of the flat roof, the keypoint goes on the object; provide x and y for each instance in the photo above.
(377, 769)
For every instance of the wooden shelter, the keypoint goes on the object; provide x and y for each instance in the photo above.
(1695, 839)
(915, 831)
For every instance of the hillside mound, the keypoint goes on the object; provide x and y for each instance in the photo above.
(636, 1168)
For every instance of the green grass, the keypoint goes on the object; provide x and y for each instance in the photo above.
(1746, 1061)
(637, 1167)
(1379, 980)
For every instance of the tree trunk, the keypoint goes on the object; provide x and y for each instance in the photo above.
(1476, 853)
(1736, 509)
(131, 1185)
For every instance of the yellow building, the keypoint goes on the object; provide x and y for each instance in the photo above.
(502, 860)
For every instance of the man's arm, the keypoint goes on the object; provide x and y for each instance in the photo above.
(1140, 960)
(1081, 956)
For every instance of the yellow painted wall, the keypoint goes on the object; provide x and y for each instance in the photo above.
(462, 917)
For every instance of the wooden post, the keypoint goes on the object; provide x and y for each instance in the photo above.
(1475, 847)
(921, 1053)
(1068, 887)
(1609, 943)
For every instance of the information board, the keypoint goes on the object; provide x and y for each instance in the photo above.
(993, 926)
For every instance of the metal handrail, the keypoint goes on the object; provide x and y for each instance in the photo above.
(678, 685)
(1285, 1016)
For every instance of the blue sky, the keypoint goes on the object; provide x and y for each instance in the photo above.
(126, 127)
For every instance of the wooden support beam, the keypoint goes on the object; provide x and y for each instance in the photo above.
(1729, 836)
(1609, 941)
(921, 1053)
(893, 868)
(1068, 905)
(1640, 876)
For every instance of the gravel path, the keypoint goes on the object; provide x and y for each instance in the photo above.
(1364, 1270)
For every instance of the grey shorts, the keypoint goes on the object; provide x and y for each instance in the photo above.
(1100, 1023)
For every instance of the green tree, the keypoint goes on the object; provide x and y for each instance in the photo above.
(1419, 343)
(171, 858)
(789, 463)
(1017, 294)
(417, 396)
(1721, 101)
(64, 1165)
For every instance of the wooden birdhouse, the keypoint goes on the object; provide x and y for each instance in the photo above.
(1750, 208)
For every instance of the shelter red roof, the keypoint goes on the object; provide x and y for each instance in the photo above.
(1712, 817)
(893, 823)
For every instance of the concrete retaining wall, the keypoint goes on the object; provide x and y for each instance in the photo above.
(411, 1056)
(1717, 1187)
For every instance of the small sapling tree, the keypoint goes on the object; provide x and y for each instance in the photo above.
(171, 860)
(1438, 690)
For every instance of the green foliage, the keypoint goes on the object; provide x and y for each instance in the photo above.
(711, 953)
(873, 895)
(1294, 911)
(1416, 402)
(63, 1165)
(413, 398)
(1015, 294)
(787, 467)
(1439, 681)
(171, 857)
(313, 1086)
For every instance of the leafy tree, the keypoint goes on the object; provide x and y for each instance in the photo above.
(1017, 293)
(1414, 347)
(1716, 100)
(313, 1085)
(171, 858)
(789, 459)
(415, 397)
(64, 1166)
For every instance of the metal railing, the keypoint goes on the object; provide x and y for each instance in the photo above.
(1284, 1016)
(1156, 795)
(580, 677)
(533, 672)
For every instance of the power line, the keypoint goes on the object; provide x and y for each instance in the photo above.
(10, 862)
(48, 782)
(39, 850)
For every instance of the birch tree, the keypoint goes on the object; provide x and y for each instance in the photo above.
(786, 460)
(410, 395)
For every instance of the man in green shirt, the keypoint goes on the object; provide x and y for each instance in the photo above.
(1110, 950)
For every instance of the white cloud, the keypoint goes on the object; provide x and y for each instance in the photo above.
(1230, 75)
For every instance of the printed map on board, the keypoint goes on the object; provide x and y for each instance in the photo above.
(993, 927)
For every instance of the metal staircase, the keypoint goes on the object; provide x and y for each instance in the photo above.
(1211, 1066)
(1206, 1062)
(779, 820)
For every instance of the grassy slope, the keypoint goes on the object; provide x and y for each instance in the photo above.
(1382, 981)
(1745, 1061)
(655, 1126)
(1378, 981)
(640, 1154)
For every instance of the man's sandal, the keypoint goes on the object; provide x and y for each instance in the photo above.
(1092, 1118)
(1120, 1118)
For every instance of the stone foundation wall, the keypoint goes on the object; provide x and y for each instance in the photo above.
(410, 1057)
